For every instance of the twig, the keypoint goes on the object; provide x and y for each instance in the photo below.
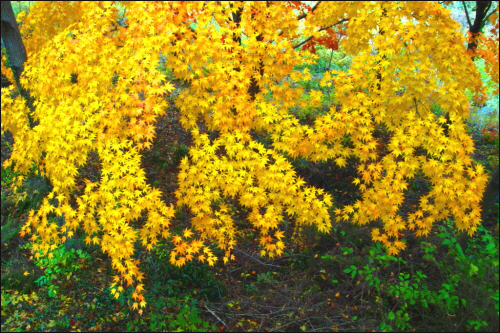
(266, 315)
(323, 329)
(288, 256)
(101, 290)
(488, 15)
(416, 105)
(213, 313)
(467, 14)
(330, 62)
(308, 39)
(236, 269)
(257, 259)
(312, 10)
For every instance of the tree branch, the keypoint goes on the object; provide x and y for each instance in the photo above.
(488, 15)
(488, 8)
(308, 39)
(467, 14)
(312, 10)
(213, 313)
(299, 45)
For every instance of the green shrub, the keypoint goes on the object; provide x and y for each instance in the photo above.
(60, 263)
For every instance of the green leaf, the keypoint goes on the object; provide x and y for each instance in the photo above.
(447, 286)
(347, 270)
(369, 277)
(473, 269)
(392, 315)
(459, 249)
(490, 246)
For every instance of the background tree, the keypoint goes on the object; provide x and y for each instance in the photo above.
(484, 12)
(488, 50)
(225, 51)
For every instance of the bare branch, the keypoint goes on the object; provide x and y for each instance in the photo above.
(467, 14)
(213, 313)
(257, 259)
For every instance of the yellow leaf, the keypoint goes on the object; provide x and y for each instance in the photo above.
(177, 239)
(139, 288)
(188, 233)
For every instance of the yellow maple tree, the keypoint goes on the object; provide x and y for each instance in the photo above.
(239, 59)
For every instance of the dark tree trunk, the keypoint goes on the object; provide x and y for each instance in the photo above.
(16, 51)
(481, 9)
(13, 41)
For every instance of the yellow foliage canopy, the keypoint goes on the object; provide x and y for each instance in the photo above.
(405, 55)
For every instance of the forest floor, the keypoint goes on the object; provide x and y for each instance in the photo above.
(340, 281)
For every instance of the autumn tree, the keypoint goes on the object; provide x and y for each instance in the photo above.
(240, 61)
(485, 46)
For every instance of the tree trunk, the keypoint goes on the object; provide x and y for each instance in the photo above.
(13, 41)
(476, 27)
(16, 51)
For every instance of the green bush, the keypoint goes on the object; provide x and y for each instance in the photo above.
(59, 264)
